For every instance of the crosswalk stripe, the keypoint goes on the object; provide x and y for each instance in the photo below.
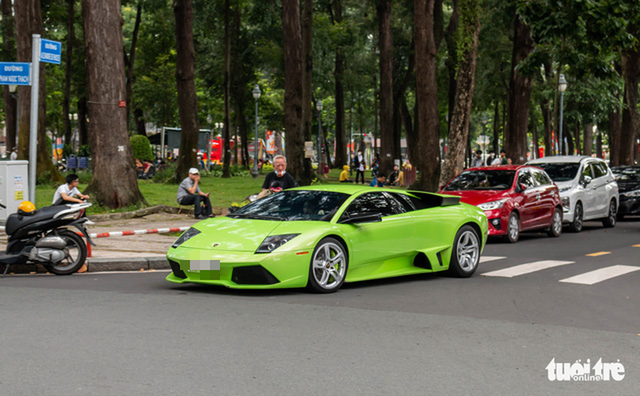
(527, 268)
(486, 259)
(602, 274)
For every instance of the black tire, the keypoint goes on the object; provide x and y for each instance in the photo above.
(611, 219)
(327, 276)
(465, 254)
(578, 213)
(513, 228)
(76, 254)
(555, 229)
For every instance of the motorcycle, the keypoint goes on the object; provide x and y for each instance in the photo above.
(42, 237)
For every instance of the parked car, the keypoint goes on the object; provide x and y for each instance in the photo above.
(515, 198)
(628, 179)
(587, 188)
(323, 236)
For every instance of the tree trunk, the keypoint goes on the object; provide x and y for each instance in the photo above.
(465, 78)
(426, 124)
(387, 141)
(226, 171)
(614, 138)
(114, 182)
(307, 174)
(410, 129)
(576, 137)
(66, 100)
(185, 79)
(138, 118)
(29, 21)
(599, 147)
(338, 73)
(546, 122)
(130, 62)
(630, 115)
(519, 95)
(399, 101)
(496, 128)
(83, 127)
(570, 149)
(452, 63)
(534, 136)
(9, 54)
(588, 139)
(292, 46)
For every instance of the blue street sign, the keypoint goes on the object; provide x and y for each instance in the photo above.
(15, 73)
(50, 51)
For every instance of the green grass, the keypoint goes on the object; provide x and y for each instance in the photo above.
(224, 192)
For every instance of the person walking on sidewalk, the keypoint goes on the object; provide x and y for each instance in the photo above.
(189, 194)
(360, 166)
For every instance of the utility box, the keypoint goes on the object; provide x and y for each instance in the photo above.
(14, 186)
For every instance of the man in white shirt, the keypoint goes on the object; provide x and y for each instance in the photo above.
(65, 193)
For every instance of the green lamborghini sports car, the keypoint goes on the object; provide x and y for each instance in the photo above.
(320, 237)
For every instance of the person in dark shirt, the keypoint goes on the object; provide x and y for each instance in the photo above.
(279, 179)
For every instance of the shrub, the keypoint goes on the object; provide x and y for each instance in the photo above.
(141, 147)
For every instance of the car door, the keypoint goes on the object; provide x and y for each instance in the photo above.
(376, 244)
(600, 184)
(588, 193)
(528, 205)
(547, 193)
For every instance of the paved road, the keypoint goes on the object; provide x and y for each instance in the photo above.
(491, 334)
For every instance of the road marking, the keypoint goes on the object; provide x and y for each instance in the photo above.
(602, 274)
(636, 245)
(597, 254)
(527, 268)
(486, 259)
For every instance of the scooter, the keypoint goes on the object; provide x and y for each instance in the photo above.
(42, 237)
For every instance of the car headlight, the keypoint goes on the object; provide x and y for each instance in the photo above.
(273, 242)
(493, 204)
(563, 189)
(188, 234)
(566, 203)
(631, 194)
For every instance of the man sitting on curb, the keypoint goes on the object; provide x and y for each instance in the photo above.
(189, 194)
(65, 193)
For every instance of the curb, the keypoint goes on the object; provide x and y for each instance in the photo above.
(102, 265)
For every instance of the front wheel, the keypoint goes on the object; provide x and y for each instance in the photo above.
(556, 224)
(576, 224)
(75, 251)
(513, 228)
(328, 267)
(466, 253)
(610, 220)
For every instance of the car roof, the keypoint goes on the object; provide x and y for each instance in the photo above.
(561, 159)
(498, 167)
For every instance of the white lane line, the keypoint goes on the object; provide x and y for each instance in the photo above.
(486, 259)
(527, 268)
(602, 274)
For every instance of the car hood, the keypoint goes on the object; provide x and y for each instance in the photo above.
(240, 235)
(565, 184)
(477, 197)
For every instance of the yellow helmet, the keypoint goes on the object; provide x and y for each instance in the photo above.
(26, 207)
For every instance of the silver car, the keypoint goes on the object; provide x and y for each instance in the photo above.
(587, 188)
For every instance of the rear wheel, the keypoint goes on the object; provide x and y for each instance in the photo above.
(76, 254)
(328, 267)
(466, 253)
(556, 224)
(576, 224)
(610, 220)
(513, 228)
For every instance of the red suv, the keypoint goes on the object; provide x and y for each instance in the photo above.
(515, 198)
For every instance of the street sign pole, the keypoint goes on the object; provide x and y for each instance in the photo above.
(33, 136)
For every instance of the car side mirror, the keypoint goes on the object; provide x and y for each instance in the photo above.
(365, 218)
(520, 187)
(586, 180)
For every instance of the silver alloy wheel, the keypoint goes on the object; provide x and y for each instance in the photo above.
(612, 212)
(577, 217)
(557, 222)
(468, 251)
(329, 265)
(514, 227)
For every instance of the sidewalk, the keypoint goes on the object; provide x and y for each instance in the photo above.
(126, 253)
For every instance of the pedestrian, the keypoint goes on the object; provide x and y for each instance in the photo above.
(393, 176)
(490, 158)
(503, 158)
(360, 166)
(14, 154)
(378, 181)
(189, 193)
(279, 179)
(375, 165)
(477, 161)
(344, 175)
(66, 193)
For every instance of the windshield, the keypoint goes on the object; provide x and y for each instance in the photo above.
(559, 172)
(627, 174)
(482, 180)
(293, 206)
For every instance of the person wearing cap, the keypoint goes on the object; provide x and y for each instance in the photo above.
(189, 194)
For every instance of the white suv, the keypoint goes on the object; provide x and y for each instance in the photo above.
(587, 188)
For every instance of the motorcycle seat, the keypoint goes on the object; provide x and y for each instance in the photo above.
(16, 221)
